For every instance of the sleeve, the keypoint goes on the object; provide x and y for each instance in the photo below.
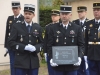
(6, 31)
(50, 42)
(45, 41)
(12, 41)
(81, 43)
(39, 45)
(86, 40)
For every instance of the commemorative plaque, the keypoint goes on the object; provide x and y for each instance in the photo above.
(65, 54)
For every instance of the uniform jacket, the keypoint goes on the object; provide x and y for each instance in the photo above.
(47, 30)
(72, 36)
(9, 23)
(19, 39)
(92, 34)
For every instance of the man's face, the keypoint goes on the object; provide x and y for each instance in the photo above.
(28, 16)
(55, 18)
(81, 14)
(65, 16)
(96, 12)
(16, 10)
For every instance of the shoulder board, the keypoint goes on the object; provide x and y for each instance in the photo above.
(87, 20)
(48, 24)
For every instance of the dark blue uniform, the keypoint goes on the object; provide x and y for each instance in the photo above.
(60, 36)
(47, 30)
(26, 61)
(82, 70)
(92, 40)
(9, 24)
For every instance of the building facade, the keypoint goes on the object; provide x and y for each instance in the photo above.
(5, 11)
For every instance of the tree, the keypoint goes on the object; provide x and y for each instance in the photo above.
(57, 3)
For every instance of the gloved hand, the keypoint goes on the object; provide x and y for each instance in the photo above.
(45, 56)
(6, 50)
(30, 48)
(79, 62)
(86, 63)
(52, 63)
(85, 58)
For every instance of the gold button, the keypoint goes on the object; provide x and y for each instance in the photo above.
(94, 38)
(29, 35)
(64, 42)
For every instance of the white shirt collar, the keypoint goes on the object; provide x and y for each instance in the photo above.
(82, 20)
(28, 24)
(97, 20)
(17, 16)
(65, 25)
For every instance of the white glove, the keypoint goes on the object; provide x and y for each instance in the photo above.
(30, 48)
(79, 62)
(6, 50)
(85, 58)
(45, 56)
(52, 63)
(86, 63)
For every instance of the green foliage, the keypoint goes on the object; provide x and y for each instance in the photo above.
(45, 16)
(45, 11)
(57, 3)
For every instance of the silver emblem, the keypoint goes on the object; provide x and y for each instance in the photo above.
(64, 8)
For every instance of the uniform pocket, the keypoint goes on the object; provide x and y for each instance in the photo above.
(73, 38)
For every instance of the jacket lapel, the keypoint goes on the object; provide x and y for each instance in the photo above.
(68, 28)
(24, 27)
(61, 28)
(32, 28)
(78, 21)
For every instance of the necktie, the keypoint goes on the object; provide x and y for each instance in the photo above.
(81, 23)
(29, 28)
(97, 24)
(15, 18)
(64, 27)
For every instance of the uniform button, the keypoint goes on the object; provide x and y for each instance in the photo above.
(65, 37)
(95, 33)
(94, 38)
(64, 42)
(95, 28)
(29, 40)
(18, 54)
(9, 27)
(36, 36)
(57, 36)
(9, 34)
(29, 35)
